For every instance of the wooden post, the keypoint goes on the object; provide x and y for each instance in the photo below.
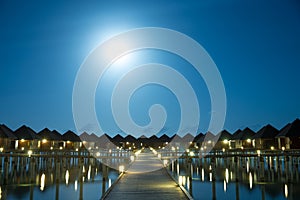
(261, 167)
(6, 169)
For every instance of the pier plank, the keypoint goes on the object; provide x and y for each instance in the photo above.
(155, 183)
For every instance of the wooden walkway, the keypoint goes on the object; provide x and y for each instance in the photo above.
(146, 179)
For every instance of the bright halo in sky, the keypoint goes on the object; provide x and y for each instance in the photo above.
(124, 60)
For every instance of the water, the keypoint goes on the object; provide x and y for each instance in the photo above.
(270, 177)
(63, 178)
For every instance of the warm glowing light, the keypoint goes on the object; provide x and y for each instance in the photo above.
(76, 149)
(60, 148)
(173, 148)
(242, 147)
(249, 140)
(180, 181)
(98, 154)
(83, 169)
(202, 174)
(225, 186)
(1, 149)
(192, 153)
(42, 182)
(225, 141)
(283, 148)
(187, 150)
(247, 166)
(22, 148)
(286, 191)
(165, 162)
(272, 148)
(210, 177)
(89, 172)
(29, 153)
(223, 149)
(109, 151)
(209, 141)
(22, 140)
(183, 180)
(250, 180)
(131, 158)
(226, 175)
(16, 144)
(75, 185)
(68, 142)
(121, 168)
(44, 141)
(51, 148)
(0, 193)
(258, 152)
(109, 183)
(67, 176)
(159, 155)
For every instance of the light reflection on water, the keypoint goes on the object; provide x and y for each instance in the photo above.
(51, 179)
(42, 182)
(242, 178)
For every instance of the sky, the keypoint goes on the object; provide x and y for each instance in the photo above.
(255, 45)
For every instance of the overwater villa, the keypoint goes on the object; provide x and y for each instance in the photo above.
(71, 140)
(289, 136)
(242, 139)
(223, 140)
(50, 139)
(7, 138)
(27, 138)
(267, 138)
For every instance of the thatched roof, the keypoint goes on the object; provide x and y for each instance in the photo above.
(176, 138)
(199, 138)
(291, 130)
(164, 138)
(26, 133)
(49, 135)
(94, 137)
(224, 135)
(104, 142)
(6, 132)
(118, 138)
(71, 136)
(85, 137)
(130, 138)
(265, 132)
(188, 138)
(245, 134)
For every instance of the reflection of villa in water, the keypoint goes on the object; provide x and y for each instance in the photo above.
(265, 162)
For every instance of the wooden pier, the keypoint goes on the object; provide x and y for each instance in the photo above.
(146, 178)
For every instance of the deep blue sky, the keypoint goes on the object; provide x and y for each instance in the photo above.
(255, 44)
